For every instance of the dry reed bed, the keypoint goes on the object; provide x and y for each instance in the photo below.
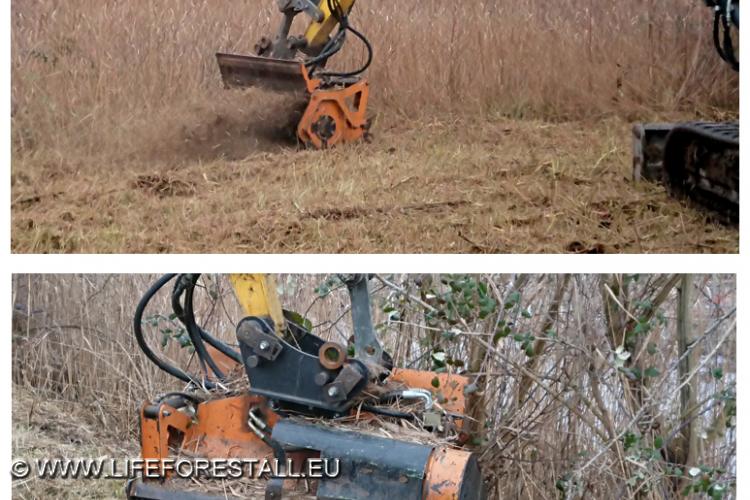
(98, 78)
(123, 135)
(73, 350)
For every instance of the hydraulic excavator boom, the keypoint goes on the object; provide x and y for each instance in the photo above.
(337, 101)
(318, 33)
(301, 389)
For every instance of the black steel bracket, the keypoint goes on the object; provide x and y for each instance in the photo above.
(293, 379)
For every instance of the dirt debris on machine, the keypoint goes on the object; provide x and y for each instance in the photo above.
(384, 427)
(359, 421)
(234, 384)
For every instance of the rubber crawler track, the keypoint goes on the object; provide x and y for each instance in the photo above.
(702, 163)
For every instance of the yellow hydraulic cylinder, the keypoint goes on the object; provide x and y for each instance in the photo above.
(257, 295)
(318, 32)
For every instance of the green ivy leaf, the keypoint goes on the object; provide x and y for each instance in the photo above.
(642, 327)
(661, 318)
(630, 440)
(513, 300)
(297, 318)
(645, 305)
(184, 341)
(449, 335)
(439, 357)
(633, 373)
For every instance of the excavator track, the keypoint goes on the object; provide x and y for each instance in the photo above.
(702, 163)
(699, 161)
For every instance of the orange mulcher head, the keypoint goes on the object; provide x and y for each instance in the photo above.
(336, 112)
(301, 393)
(384, 468)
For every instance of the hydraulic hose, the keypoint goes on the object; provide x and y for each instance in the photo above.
(150, 354)
(365, 67)
(220, 346)
(185, 319)
(195, 333)
(184, 395)
(187, 282)
(213, 341)
(336, 43)
(333, 46)
(725, 16)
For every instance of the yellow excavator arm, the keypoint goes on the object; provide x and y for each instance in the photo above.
(318, 32)
(257, 295)
(325, 16)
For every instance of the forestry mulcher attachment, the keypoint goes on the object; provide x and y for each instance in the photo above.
(698, 160)
(307, 399)
(336, 101)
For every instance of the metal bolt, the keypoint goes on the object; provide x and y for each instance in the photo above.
(321, 378)
(333, 391)
(165, 413)
(264, 345)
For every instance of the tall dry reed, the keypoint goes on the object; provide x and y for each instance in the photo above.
(568, 419)
(106, 77)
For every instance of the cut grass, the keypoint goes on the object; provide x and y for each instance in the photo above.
(47, 428)
(450, 185)
(125, 141)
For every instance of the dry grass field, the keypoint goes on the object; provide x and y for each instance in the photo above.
(499, 127)
(577, 419)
